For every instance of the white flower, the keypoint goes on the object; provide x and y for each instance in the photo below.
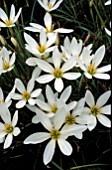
(75, 119)
(9, 22)
(41, 48)
(72, 48)
(49, 27)
(97, 110)
(7, 62)
(50, 5)
(57, 72)
(91, 63)
(108, 2)
(27, 94)
(8, 127)
(53, 103)
(55, 134)
(108, 31)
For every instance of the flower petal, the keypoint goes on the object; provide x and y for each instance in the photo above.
(37, 138)
(89, 98)
(8, 141)
(45, 78)
(44, 66)
(49, 152)
(36, 93)
(71, 76)
(103, 98)
(16, 131)
(50, 95)
(15, 118)
(102, 76)
(66, 94)
(20, 104)
(65, 146)
(58, 84)
(19, 85)
(106, 110)
(104, 120)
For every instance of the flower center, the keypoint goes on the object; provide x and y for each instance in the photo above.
(26, 95)
(91, 69)
(70, 119)
(95, 110)
(58, 73)
(9, 128)
(55, 134)
(5, 65)
(8, 22)
(1, 101)
(50, 5)
(54, 108)
(42, 48)
(50, 29)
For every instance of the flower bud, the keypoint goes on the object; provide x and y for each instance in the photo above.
(14, 42)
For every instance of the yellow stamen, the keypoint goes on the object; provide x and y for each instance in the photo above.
(50, 6)
(26, 95)
(5, 65)
(58, 73)
(55, 134)
(42, 48)
(91, 69)
(50, 29)
(54, 108)
(9, 128)
(1, 101)
(70, 119)
(95, 110)
(8, 22)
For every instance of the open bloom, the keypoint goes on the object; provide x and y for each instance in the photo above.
(41, 48)
(91, 63)
(49, 27)
(27, 94)
(8, 127)
(56, 134)
(57, 72)
(50, 5)
(75, 119)
(9, 22)
(53, 104)
(97, 110)
(7, 62)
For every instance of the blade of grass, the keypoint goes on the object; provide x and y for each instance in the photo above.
(90, 165)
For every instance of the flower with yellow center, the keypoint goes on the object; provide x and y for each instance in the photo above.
(43, 47)
(9, 22)
(27, 94)
(97, 110)
(50, 5)
(90, 65)
(8, 129)
(57, 72)
(55, 135)
(7, 61)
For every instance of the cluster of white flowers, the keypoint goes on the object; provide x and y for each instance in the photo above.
(53, 62)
